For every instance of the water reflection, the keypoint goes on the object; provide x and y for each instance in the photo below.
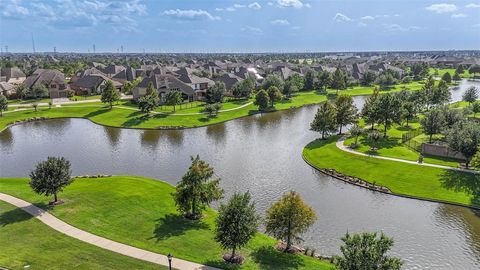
(113, 135)
(150, 138)
(217, 132)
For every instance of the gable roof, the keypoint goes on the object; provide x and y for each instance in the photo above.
(44, 76)
(13, 72)
(166, 83)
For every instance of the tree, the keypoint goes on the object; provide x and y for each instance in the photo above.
(451, 116)
(297, 80)
(244, 88)
(368, 78)
(389, 111)
(39, 91)
(21, 91)
(374, 136)
(475, 163)
(456, 76)
(3, 104)
(464, 137)
(324, 79)
(366, 251)
(110, 94)
(325, 120)
(409, 111)
(215, 93)
(197, 190)
(173, 98)
(274, 94)
(447, 77)
(370, 112)
(460, 69)
(150, 101)
(50, 176)
(339, 80)
(440, 94)
(262, 100)
(272, 80)
(309, 80)
(346, 111)
(288, 218)
(432, 123)
(212, 109)
(386, 80)
(356, 131)
(470, 95)
(35, 106)
(475, 108)
(289, 88)
(236, 224)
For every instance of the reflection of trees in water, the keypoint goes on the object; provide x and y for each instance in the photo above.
(113, 135)
(466, 219)
(150, 138)
(217, 132)
(174, 137)
(6, 139)
(268, 119)
(54, 127)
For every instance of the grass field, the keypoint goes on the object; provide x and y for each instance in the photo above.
(401, 178)
(141, 212)
(25, 242)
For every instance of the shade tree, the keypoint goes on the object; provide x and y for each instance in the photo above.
(50, 177)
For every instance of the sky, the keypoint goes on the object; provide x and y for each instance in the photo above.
(238, 26)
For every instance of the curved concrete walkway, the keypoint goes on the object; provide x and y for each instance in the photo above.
(340, 144)
(98, 241)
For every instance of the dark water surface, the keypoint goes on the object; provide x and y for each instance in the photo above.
(261, 154)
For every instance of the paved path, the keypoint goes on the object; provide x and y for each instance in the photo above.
(62, 101)
(184, 114)
(340, 144)
(98, 241)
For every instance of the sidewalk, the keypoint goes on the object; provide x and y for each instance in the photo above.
(98, 241)
(340, 144)
(64, 101)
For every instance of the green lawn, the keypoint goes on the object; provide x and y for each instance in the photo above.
(441, 71)
(121, 117)
(25, 242)
(141, 212)
(29, 101)
(401, 178)
(392, 146)
(368, 90)
(79, 98)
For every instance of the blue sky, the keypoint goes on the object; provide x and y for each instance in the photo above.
(239, 26)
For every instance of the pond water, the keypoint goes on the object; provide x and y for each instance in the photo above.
(260, 154)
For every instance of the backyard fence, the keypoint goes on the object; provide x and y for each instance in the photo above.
(412, 144)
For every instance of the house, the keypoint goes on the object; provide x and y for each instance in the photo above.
(53, 79)
(163, 84)
(7, 89)
(198, 84)
(86, 72)
(229, 79)
(92, 84)
(12, 75)
(128, 74)
(112, 70)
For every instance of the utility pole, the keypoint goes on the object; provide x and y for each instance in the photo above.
(33, 43)
(93, 48)
(121, 48)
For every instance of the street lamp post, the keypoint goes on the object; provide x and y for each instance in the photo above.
(169, 256)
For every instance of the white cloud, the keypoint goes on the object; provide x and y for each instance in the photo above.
(255, 5)
(253, 30)
(270, 3)
(339, 17)
(292, 3)
(458, 15)
(442, 8)
(368, 17)
(362, 24)
(238, 6)
(398, 28)
(280, 22)
(13, 9)
(296, 27)
(190, 14)
(473, 5)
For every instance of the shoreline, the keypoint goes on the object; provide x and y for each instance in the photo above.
(381, 189)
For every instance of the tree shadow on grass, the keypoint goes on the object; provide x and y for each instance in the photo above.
(176, 225)
(463, 182)
(16, 215)
(135, 119)
(221, 264)
(97, 112)
(269, 258)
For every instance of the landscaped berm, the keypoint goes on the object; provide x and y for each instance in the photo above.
(137, 211)
(405, 179)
